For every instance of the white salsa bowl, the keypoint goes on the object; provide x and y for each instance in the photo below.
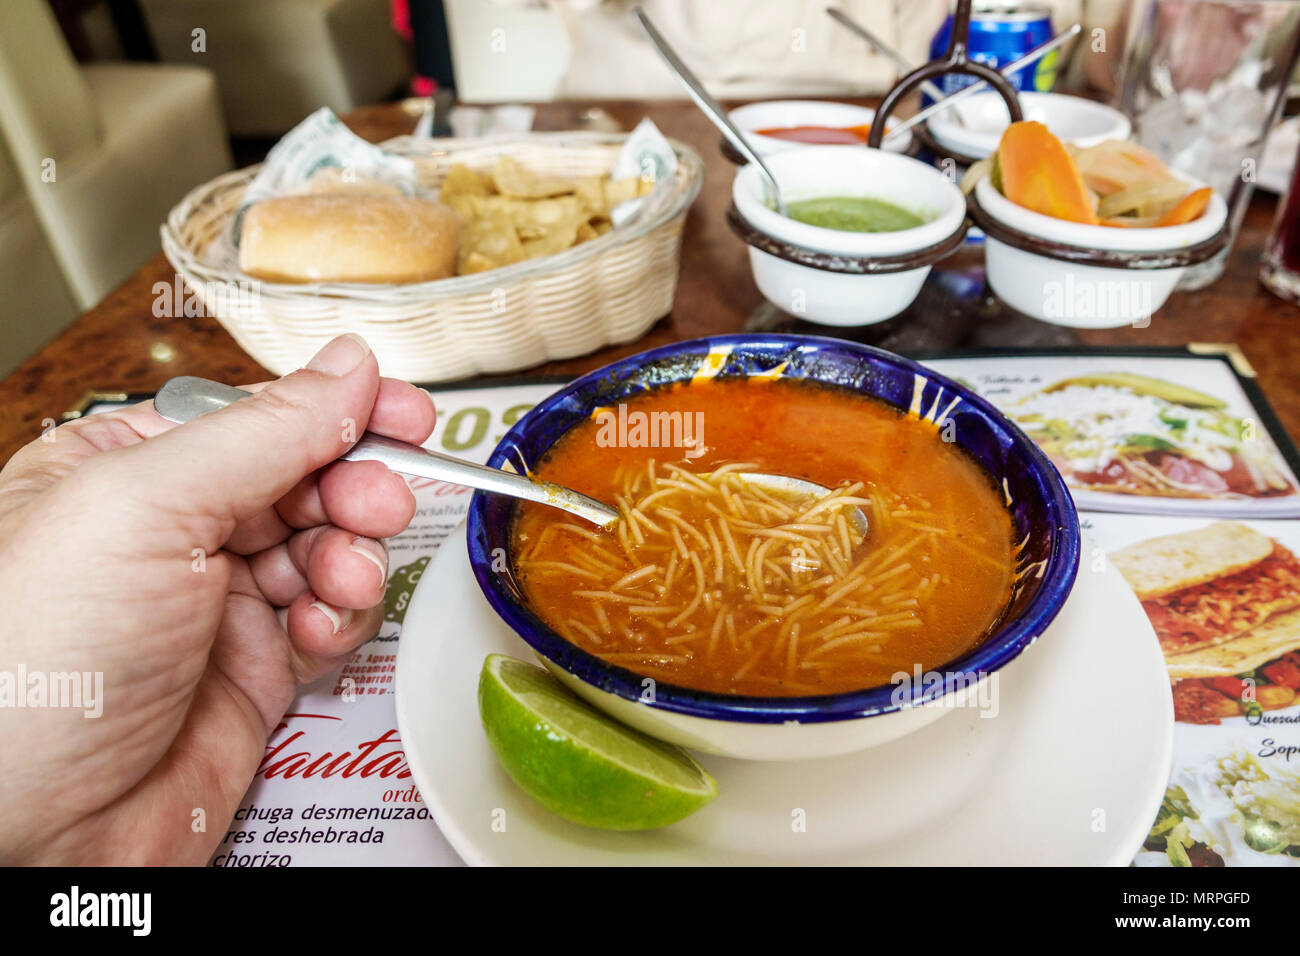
(890, 266)
(974, 127)
(1120, 277)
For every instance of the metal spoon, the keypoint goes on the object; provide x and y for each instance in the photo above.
(711, 108)
(187, 397)
(785, 485)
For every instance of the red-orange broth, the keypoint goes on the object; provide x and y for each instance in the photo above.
(709, 584)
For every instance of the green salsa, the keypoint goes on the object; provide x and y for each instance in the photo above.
(853, 214)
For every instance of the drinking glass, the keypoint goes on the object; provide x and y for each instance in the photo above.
(1204, 81)
(1279, 266)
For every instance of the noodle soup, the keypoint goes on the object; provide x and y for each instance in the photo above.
(712, 583)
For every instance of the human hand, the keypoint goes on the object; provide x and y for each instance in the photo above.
(206, 571)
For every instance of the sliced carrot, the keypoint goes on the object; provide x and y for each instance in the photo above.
(1039, 174)
(1188, 208)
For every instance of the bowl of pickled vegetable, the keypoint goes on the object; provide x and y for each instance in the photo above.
(1088, 237)
(860, 232)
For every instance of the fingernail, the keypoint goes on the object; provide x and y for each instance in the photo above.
(374, 552)
(339, 618)
(341, 355)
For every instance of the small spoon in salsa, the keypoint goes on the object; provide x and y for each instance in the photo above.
(710, 107)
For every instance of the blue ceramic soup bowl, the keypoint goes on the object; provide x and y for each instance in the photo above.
(781, 728)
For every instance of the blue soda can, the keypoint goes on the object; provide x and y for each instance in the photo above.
(1001, 33)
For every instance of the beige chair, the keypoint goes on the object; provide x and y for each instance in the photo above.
(278, 60)
(35, 302)
(102, 151)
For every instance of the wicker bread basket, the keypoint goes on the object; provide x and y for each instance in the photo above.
(608, 290)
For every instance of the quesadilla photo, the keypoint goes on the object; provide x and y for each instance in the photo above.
(1129, 434)
(1225, 604)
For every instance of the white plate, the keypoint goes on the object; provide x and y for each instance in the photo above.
(1070, 771)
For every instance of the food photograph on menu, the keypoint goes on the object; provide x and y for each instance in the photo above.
(1147, 433)
(1131, 435)
(1223, 601)
(650, 433)
(1222, 598)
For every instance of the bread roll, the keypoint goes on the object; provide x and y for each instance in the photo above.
(347, 237)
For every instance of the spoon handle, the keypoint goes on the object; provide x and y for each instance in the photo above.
(884, 49)
(187, 397)
(711, 107)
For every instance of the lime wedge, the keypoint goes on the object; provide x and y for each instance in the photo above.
(577, 762)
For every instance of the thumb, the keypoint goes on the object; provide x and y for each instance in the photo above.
(236, 462)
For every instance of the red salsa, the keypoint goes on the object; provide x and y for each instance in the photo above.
(822, 135)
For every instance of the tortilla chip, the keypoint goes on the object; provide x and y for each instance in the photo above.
(532, 219)
(481, 207)
(464, 206)
(512, 214)
(488, 242)
(563, 236)
(476, 262)
(1165, 565)
(590, 191)
(463, 181)
(513, 180)
(547, 215)
(620, 190)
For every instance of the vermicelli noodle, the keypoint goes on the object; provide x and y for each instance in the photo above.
(713, 582)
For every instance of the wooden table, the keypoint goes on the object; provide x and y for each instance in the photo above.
(121, 345)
